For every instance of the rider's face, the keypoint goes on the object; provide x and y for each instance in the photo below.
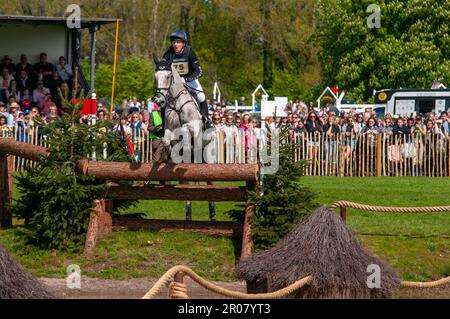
(178, 46)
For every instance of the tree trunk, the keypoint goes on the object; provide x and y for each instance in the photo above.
(41, 8)
(267, 50)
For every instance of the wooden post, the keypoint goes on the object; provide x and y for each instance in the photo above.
(6, 189)
(344, 214)
(100, 224)
(178, 278)
(379, 154)
(247, 240)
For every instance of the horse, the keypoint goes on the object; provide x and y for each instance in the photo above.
(180, 112)
(181, 109)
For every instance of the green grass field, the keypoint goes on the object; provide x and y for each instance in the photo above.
(416, 245)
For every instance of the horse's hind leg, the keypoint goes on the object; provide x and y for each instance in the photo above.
(212, 208)
(188, 211)
(212, 211)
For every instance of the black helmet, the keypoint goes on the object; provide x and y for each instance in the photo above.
(179, 35)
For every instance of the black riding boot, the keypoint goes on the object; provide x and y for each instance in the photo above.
(205, 116)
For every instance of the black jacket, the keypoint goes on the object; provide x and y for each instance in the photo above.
(187, 64)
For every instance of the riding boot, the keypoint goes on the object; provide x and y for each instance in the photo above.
(205, 115)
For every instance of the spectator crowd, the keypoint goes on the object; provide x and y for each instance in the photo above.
(29, 90)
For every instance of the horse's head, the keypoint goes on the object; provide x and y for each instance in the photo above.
(163, 75)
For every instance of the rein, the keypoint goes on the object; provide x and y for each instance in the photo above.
(172, 101)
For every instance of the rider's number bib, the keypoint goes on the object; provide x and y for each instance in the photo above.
(181, 67)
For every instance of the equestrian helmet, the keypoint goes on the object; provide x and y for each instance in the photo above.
(179, 35)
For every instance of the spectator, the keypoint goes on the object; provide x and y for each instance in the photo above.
(101, 115)
(34, 115)
(12, 92)
(25, 100)
(314, 130)
(5, 129)
(331, 130)
(63, 69)
(445, 123)
(40, 92)
(134, 105)
(53, 113)
(136, 123)
(386, 126)
(371, 127)
(8, 116)
(66, 94)
(230, 128)
(217, 122)
(24, 66)
(400, 128)
(24, 82)
(43, 69)
(145, 115)
(14, 111)
(53, 84)
(5, 79)
(300, 128)
(44, 105)
(350, 131)
(7, 63)
(420, 130)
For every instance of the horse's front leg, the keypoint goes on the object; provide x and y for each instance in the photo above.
(167, 137)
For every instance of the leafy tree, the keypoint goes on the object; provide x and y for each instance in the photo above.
(411, 49)
(285, 201)
(56, 199)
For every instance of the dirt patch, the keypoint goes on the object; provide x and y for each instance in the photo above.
(92, 288)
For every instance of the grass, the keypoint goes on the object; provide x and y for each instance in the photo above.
(131, 254)
(417, 246)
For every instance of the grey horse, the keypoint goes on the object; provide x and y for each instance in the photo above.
(180, 111)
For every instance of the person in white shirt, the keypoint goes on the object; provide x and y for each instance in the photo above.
(64, 70)
(134, 103)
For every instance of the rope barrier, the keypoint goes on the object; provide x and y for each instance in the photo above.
(180, 289)
(385, 209)
(430, 284)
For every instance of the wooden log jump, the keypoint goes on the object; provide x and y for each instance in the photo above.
(122, 171)
(27, 151)
(100, 223)
(179, 192)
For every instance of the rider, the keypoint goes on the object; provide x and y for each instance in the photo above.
(183, 58)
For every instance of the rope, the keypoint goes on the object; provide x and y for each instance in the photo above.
(433, 209)
(430, 284)
(168, 277)
(178, 290)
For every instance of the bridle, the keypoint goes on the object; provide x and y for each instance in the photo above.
(171, 102)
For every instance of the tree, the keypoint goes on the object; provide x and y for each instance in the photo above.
(285, 202)
(411, 49)
(56, 199)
